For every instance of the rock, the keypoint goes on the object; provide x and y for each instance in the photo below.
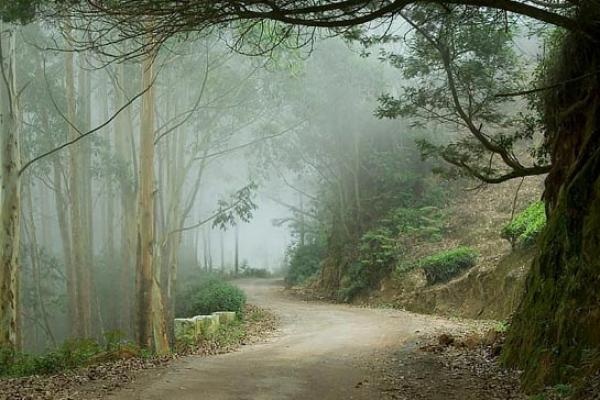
(185, 328)
(225, 317)
(206, 324)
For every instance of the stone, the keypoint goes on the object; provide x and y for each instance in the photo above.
(206, 324)
(225, 317)
(185, 328)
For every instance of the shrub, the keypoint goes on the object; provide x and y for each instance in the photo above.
(70, 355)
(209, 295)
(426, 223)
(443, 266)
(249, 272)
(304, 262)
(526, 226)
(378, 248)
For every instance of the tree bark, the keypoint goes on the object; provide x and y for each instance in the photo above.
(10, 207)
(127, 184)
(554, 336)
(151, 319)
(75, 216)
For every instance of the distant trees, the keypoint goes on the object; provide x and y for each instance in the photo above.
(124, 191)
(346, 168)
(561, 303)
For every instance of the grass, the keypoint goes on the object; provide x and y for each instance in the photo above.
(72, 354)
(526, 226)
(445, 265)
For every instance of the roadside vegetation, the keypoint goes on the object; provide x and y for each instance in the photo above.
(524, 229)
(208, 294)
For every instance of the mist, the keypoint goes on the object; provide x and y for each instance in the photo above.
(137, 176)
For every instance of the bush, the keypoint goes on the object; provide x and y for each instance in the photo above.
(209, 295)
(425, 223)
(304, 262)
(249, 272)
(526, 226)
(443, 266)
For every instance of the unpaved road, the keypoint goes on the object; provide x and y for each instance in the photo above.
(322, 351)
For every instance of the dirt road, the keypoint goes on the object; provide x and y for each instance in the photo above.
(322, 351)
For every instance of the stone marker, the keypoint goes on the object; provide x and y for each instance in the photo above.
(225, 317)
(206, 324)
(185, 328)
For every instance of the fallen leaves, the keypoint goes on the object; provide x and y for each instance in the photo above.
(96, 381)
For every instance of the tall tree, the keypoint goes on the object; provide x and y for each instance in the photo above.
(10, 189)
(151, 327)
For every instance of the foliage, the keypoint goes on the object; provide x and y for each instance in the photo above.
(70, 355)
(304, 262)
(241, 206)
(526, 226)
(250, 272)
(425, 223)
(458, 60)
(443, 266)
(380, 248)
(209, 295)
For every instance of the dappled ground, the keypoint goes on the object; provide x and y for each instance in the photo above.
(330, 351)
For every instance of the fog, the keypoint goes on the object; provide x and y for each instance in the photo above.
(202, 159)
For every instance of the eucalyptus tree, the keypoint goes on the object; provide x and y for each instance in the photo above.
(561, 301)
(560, 306)
(10, 190)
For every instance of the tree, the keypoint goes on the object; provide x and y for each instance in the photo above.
(151, 328)
(561, 302)
(10, 189)
(457, 62)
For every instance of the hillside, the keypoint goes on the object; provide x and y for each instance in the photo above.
(489, 290)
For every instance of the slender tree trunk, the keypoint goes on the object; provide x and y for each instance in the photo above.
(127, 184)
(151, 326)
(222, 248)
(237, 250)
(40, 303)
(76, 308)
(10, 207)
(302, 222)
(84, 192)
(63, 225)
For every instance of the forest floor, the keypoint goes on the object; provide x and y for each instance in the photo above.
(104, 374)
(331, 351)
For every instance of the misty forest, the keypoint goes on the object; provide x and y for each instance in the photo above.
(300, 199)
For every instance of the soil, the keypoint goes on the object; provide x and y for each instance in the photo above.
(331, 351)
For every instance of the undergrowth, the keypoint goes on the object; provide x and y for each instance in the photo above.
(208, 295)
(442, 266)
(70, 355)
(380, 248)
(526, 226)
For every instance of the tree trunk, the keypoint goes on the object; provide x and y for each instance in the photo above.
(151, 322)
(84, 192)
(555, 336)
(77, 257)
(124, 149)
(39, 304)
(237, 251)
(10, 207)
